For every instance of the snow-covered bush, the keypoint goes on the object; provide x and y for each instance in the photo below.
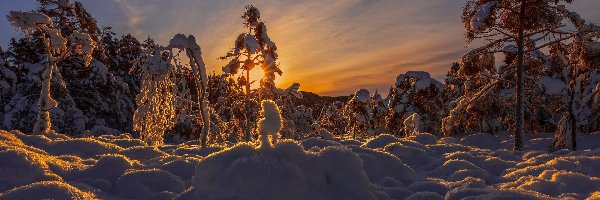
(269, 124)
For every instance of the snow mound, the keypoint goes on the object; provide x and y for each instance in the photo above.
(21, 167)
(555, 183)
(10, 139)
(109, 167)
(424, 138)
(82, 147)
(316, 142)
(46, 190)
(145, 183)
(452, 166)
(462, 174)
(428, 186)
(184, 168)
(142, 153)
(126, 143)
(195, 150)
(425, 196)
(482, 141)
(380, 141)
(245, 172)
(490, 193)
(410, 155)
(379, 164)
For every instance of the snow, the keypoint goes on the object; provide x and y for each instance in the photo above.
(478, 166)
(251, 43)
(362, 95)
(47, 190)
(269, 124)
(552, 86)
(83, 45)
(28, 20)
(412, 124)
(421, 80)
(481, 18)
(147, 183)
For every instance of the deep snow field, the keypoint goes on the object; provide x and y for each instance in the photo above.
(478, 166)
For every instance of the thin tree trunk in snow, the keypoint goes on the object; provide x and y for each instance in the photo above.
(247, 128)
(573, 119)
(519, 113)
(45, 102)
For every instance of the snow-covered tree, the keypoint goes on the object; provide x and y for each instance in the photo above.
(332, 118)
(581, 85)
(467, 78)
(358, 112)
(531, 25)
(57, 49)
(227, 98)
(253, 48)
(414, 92)
(165, 95)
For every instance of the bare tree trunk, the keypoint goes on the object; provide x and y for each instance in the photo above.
(573, 121)
(520, 111)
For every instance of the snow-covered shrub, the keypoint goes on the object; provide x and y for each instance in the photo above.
(269, 124)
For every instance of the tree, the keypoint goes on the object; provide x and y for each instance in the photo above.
(57, 48)
(359, 114)
(580, 69)
(332, 118)
(253, 48)
(414, 92)
(526, 23)
(164, 95)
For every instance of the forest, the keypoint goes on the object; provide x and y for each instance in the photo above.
(87, 113)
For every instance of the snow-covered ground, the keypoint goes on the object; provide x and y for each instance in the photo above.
(421, 167)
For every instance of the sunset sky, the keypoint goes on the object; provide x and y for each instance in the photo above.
(331, 47)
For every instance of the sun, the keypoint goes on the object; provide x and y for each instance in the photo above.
(255, 75)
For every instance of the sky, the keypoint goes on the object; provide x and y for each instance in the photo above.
(330, 47)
